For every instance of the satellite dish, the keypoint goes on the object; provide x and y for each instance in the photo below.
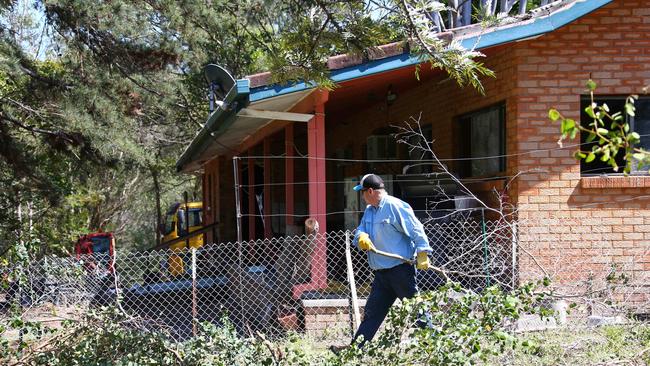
(219, 79)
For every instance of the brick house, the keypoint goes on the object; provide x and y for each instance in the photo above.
(594, 217)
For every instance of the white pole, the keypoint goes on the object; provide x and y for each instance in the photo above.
(513, 225)
(194, 302)
(356, 317)
(240, 242)
(237, 203)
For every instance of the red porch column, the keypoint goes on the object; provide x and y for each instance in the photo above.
(268, 189)
(288, 173)
(317, 193)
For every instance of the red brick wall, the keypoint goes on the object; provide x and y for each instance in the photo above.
(440, 102)
(576, 226)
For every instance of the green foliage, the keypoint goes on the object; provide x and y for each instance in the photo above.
(460, 63)
(109, 337)
(610, 130)
(467, 328)
(84, 128)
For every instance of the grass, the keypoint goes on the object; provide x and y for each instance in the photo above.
(609, 345)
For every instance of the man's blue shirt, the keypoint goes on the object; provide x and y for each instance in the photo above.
(392, 227)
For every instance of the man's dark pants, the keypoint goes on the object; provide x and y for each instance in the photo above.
(388, 285)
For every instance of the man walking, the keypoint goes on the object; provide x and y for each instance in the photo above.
(388, 224)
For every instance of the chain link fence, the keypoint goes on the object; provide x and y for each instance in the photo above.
(266, 285)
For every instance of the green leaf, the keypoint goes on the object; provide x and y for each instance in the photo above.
(602, 131)
(554, 115)
(569, 123)
(591, 137)
(629, 109)
(590, 157)
(591, 85)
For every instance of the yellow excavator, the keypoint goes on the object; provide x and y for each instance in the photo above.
(180, 221)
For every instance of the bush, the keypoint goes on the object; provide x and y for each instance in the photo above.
(466, 328)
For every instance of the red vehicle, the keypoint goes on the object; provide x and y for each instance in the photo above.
(96, 250)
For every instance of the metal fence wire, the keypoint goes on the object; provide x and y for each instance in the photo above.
(261, 285)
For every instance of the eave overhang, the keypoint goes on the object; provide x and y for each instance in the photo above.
(217, 124)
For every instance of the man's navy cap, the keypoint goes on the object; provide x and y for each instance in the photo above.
(370, 181)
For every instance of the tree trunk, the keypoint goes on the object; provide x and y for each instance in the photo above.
(466, 13)
(522, 6)
(453, 15)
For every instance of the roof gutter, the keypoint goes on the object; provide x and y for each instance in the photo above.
(218, 122)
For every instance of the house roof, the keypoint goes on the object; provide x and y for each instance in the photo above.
(392, 56)
(386, 58)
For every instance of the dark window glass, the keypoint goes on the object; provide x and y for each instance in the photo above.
(101, 250)
(101, 244)
(196, 217)
(639, 123)
(482, 142)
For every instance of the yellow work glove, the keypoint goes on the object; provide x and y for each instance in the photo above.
(422, 261)
(365, 243)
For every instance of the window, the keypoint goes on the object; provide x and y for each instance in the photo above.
(101, 250)
(639, 123)
(481, 140)
(194, 215)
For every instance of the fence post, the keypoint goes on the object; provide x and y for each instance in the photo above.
(514, 254)
(354, 304)
(194, 292)
(235, 168)
(485, 250)
(116, 282)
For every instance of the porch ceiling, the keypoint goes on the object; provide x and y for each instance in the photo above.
(226, 141)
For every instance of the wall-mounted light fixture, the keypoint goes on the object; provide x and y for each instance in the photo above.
(390, 95)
